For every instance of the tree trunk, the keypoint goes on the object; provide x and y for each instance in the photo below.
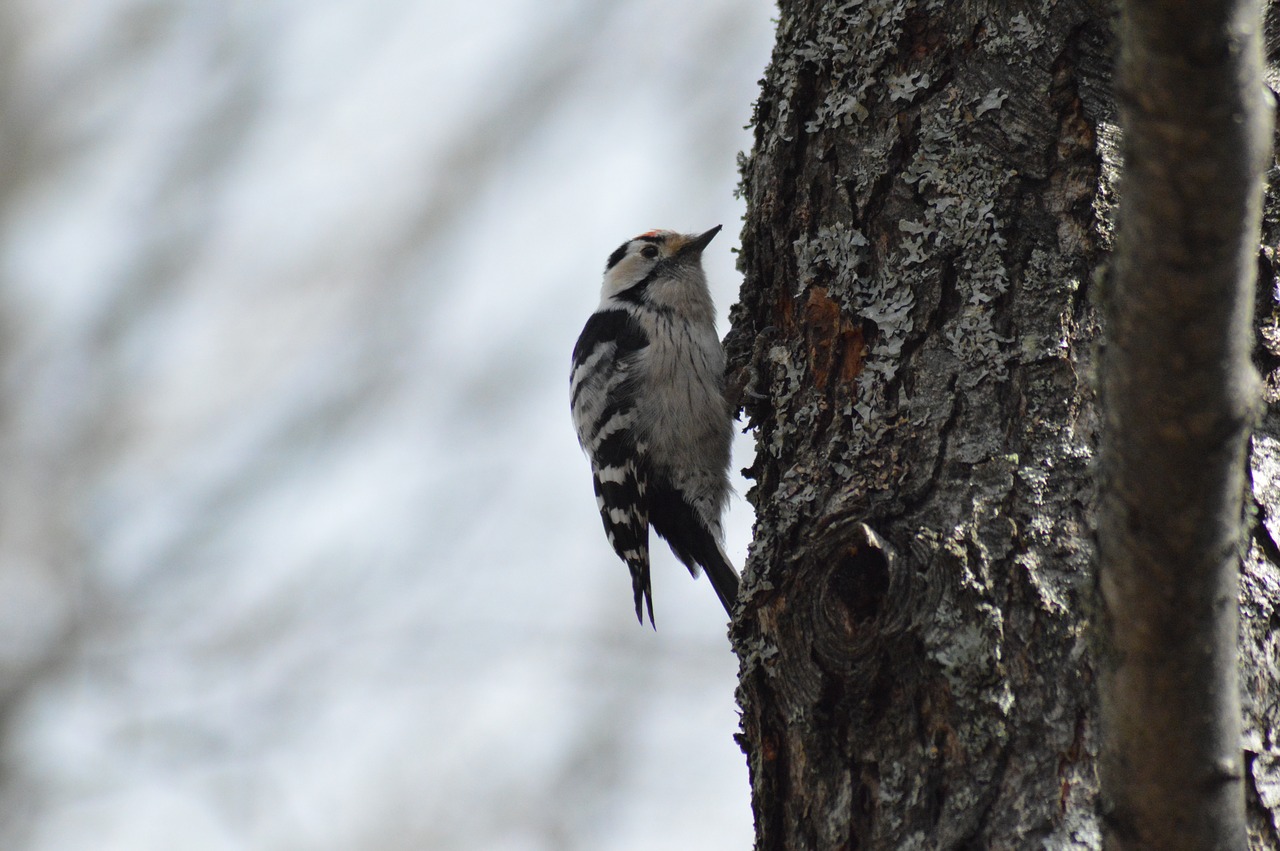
(1178, 399)
(930, 199)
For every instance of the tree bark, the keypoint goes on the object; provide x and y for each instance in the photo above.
(1179, 398)
(930, 198)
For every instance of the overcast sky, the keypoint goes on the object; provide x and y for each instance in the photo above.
(297, 547)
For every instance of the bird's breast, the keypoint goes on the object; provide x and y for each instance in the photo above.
(687, 417)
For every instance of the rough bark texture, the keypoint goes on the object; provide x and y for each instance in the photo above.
(929, 200)
(1179, 396)
(1259, 645)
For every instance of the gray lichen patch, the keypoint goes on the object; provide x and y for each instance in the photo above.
(960, 191)
(848, 53)
(834, 251)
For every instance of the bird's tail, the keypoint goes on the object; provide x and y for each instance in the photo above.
(724, 579)
(694, 541)
(639, 568)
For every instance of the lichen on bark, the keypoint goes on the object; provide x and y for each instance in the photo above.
(930, 203)
(916, 325)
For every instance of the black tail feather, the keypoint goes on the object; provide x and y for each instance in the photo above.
(682, 526)
(643, 592)
(724, 579)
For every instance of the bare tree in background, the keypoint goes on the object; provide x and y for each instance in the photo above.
(931, 201)
(1178, 399)
(244, 427)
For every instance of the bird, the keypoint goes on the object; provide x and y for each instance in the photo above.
(647, 397)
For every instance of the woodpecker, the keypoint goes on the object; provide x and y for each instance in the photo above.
(647, 396)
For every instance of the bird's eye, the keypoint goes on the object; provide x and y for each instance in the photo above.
(650, 251)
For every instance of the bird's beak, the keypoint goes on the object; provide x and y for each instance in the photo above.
(693, 247)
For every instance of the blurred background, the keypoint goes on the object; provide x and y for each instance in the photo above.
(297, 547)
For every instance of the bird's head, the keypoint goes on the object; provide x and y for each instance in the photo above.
(656, 256)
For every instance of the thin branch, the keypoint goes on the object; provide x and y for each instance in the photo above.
(1179, 394)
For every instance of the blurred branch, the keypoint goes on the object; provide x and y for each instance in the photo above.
(1179, 394)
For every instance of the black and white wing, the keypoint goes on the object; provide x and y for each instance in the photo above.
(602, 390)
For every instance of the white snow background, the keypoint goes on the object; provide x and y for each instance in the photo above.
(297, 547)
